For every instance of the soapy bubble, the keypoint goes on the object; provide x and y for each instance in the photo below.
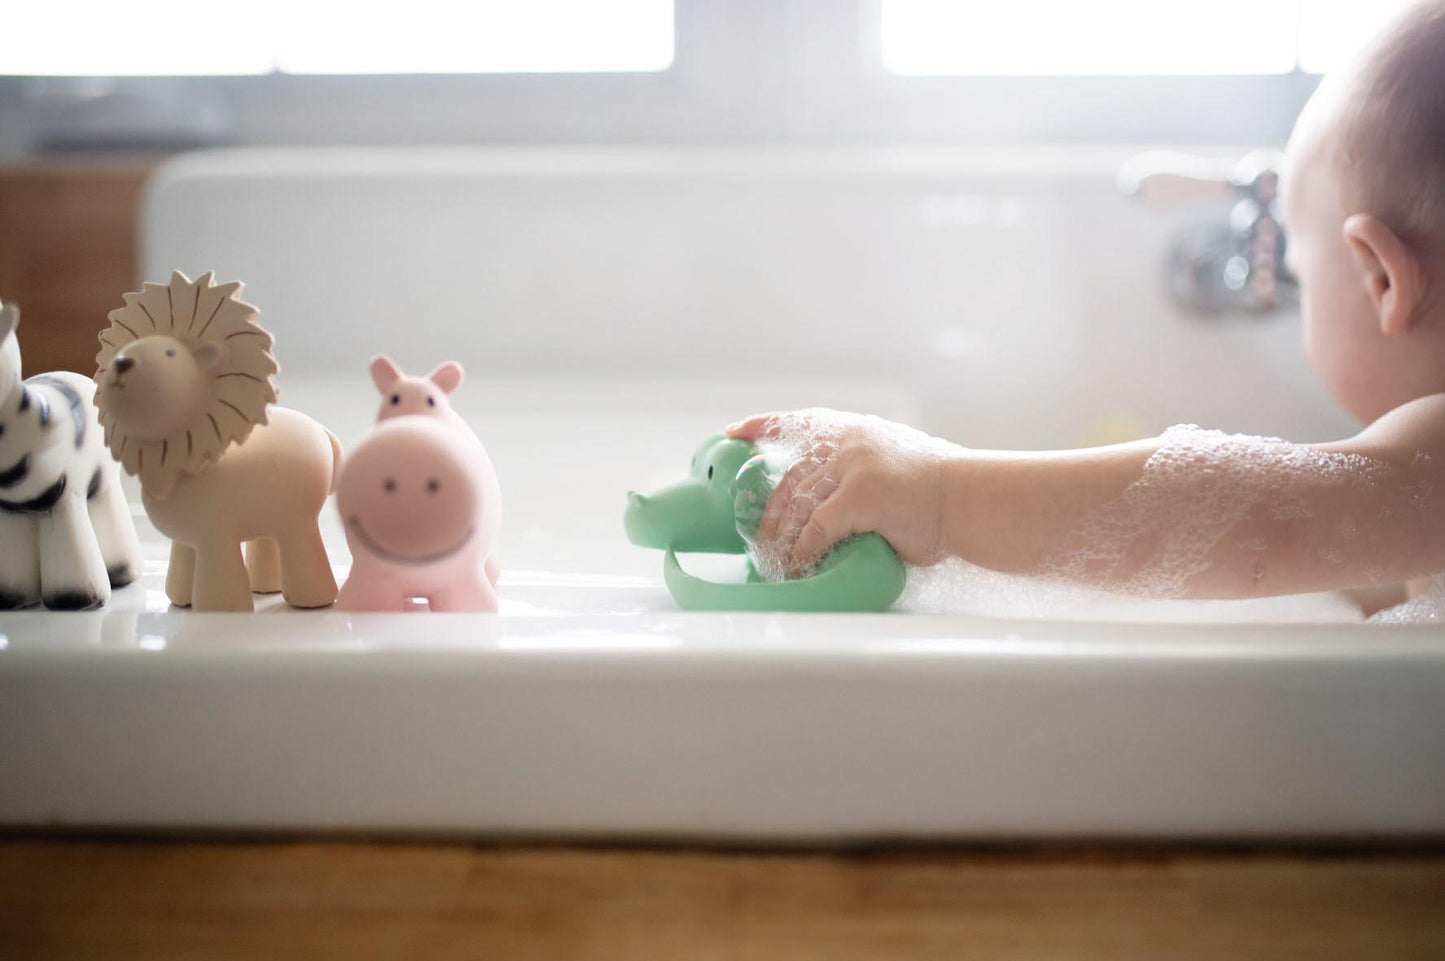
(1139, 549)
(1426, 608)
(1192, 492)
(805, 445)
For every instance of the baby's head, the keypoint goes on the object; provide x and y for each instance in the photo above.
(1364, 203)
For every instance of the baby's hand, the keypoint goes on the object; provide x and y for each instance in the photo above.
(851, 474)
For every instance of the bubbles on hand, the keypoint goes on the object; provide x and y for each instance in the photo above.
(804, 444)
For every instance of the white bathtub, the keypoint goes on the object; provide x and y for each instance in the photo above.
(608, 306)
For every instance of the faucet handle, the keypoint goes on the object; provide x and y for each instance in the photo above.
(1237, 263)
(1166, 177)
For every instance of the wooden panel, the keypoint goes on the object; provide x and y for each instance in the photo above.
(358, 901)
(67, 253)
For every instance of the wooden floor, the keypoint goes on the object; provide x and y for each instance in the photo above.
(87, 899)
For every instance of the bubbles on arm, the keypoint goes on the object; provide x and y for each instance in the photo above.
(1197, 487)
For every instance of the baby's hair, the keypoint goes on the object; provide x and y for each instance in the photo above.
(1395, 125)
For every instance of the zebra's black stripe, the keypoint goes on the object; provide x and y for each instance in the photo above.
(77, 406)
(36, 505)
(16, 474)
(93, 487)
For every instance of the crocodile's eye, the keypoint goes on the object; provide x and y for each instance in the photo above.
(431, 401)
(709, 473)
(396, 398)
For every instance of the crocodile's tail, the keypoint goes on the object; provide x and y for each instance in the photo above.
(862, 574)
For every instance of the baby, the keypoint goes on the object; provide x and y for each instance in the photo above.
(1194, 513)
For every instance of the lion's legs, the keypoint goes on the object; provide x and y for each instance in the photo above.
(306, 578)
(115, 531)
(72, 572)
(181, 574)
(19, 561)
(263, 563)
(221, 580)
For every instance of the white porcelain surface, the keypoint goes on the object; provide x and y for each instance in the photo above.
(589, 706)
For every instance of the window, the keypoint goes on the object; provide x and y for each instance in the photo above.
(1123, 37)
(180, 37)
(1232, 72)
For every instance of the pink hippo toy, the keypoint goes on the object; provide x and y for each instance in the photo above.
(422, 508)
(402, 394)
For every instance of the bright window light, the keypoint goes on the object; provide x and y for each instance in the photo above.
(181, 37)
(1331, 31)
(1124, 37)
(1068, 37)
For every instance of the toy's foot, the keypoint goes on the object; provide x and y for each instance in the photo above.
(263, 565)
(16, 600)
(360, 597)
(221, 583)
(468, 596)
(306, 576)
(181, 575)
(121, 575)
(74, 601)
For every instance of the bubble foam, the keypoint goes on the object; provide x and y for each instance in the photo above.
(806, 442)
(1134, 556)
(1427, 608)
(1193, 490)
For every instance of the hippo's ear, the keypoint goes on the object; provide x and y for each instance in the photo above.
(9, 320)
(447, 376)
(384, 372)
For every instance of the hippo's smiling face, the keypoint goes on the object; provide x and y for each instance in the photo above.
(407, 493)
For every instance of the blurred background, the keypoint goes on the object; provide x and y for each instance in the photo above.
(94, 94)
(81, 75)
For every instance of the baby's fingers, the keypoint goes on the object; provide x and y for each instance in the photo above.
(830, 523)
(756, 427)
(780, 502)
(806, 497)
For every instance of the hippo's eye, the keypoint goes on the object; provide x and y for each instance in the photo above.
(388, 485)
(433, 485)
(709, 473)
(170, 352)
(431, 401)
(396, 398)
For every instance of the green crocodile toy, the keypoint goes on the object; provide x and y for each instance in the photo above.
(717, 509)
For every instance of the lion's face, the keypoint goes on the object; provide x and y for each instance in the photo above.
(153, 386)
(183, 373)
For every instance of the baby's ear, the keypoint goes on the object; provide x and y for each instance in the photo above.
(1390, 269)
(9, 320)
(384, 372)
(447, 376)
(208, 356)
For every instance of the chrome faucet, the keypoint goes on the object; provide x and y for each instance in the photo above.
(1235, 265)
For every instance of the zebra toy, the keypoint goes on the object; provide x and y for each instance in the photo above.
(66, 534)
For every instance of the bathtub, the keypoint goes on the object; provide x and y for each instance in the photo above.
(613, 307)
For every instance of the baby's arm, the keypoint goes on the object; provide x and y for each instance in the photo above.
(1294, 517)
